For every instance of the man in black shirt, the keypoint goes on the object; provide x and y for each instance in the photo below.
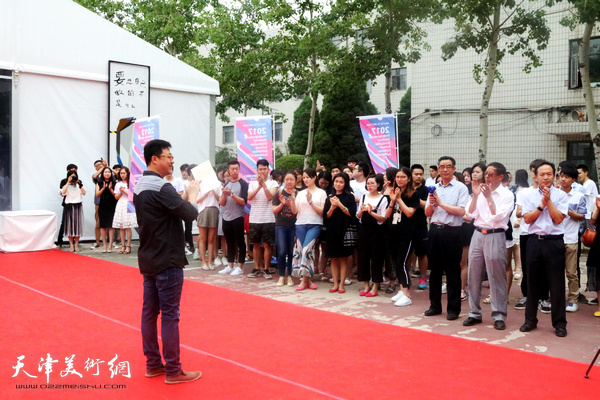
(421, 242)
(161, 258)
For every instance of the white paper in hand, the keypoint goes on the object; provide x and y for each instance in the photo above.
(206, 173)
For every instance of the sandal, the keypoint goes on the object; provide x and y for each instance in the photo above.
(488, 300)
(128, 250)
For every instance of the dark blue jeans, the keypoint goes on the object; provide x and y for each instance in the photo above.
(284, 238)
(162, 293)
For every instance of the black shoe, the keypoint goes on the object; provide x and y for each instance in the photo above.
(471, 321)
(451, 317)
(391, 289)
(500, 325)
(593, 302)
(528, 327)
(431, 312)
(561, 332)
(582, 299)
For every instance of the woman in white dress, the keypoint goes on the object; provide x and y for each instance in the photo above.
(124, 220)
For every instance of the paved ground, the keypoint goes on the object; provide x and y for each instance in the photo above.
(580, 345)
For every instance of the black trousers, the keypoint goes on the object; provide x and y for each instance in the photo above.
(234, 236)
(61, 230)
(445, 252)
(543, 284)
(371, 253)
(189, 238)
(401, 248)
(546, 266)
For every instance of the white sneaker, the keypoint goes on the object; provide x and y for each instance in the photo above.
(187, 252)
(398, 296)
(196, 255)
(217, 262)
(572, 307)
(226, 271)
(404, 301)
(444, 288)
(237, 271)
(347, 282)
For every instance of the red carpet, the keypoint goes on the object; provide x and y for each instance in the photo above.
(248, 347)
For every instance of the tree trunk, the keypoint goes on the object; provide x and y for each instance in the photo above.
(388, 88)
(492, 64)
(311, 128)
(588, 96)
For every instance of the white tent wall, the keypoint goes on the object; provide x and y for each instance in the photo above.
(59, 53)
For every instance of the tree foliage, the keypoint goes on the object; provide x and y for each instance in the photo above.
(404, 129)
(339, 134)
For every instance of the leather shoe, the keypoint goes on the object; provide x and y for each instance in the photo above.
(527, 327)
(431, 312)
(451, 317)
(155, 372)
(561, 332)
(183, 377)
(471, 321)
(499, 325)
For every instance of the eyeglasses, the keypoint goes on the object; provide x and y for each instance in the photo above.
(170, 157)
(445, 166)
(490, 174)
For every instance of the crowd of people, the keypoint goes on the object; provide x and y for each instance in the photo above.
(385, 229)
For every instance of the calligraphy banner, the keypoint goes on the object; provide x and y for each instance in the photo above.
(379, 134)
(144, 130)
(254, 141)
(128, 96)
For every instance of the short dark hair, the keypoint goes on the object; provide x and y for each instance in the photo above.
(184, 167)
(116, 166)
(352, 159)
(232, 162)
(334, 166)
(72, 166)
(569, 170)
(500, 168)
(190, 168)
(417, 166)
(481, 166)
(583, 167)
(311, 172)
(155, 148)
(442, 158)
(544, 162)
(262, 162)
(535, 163)
(364, 168)
(97, 161)
(434, 167)
(521, 178)
(378, 178)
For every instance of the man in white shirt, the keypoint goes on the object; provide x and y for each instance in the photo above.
(590, 189)
(577, 211)
(358, 184)
(433, 173)
(544, 210)
(262, 219)
(445, 208)
(490, 208)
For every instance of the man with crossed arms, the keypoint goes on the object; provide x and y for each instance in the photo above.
(490, 208)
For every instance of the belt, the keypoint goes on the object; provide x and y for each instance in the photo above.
(546, 237)
(444, 226)
(488, 231)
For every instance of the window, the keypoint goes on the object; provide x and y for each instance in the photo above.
(574, 75)
(278, 136)
(228, 135)
(5, 140)
(399, 79)
(583, 153)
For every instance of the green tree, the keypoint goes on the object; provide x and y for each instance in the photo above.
(496, 27)
(289, 162)
(339, 134)
(299, 137)
(587, 15)
(403, 121)
(305, 45)
(223, 155)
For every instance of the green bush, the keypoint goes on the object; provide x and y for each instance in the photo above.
(289, 162)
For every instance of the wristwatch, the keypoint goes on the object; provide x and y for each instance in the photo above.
(540, 208)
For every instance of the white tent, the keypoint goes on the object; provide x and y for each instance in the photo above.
(58, 53)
